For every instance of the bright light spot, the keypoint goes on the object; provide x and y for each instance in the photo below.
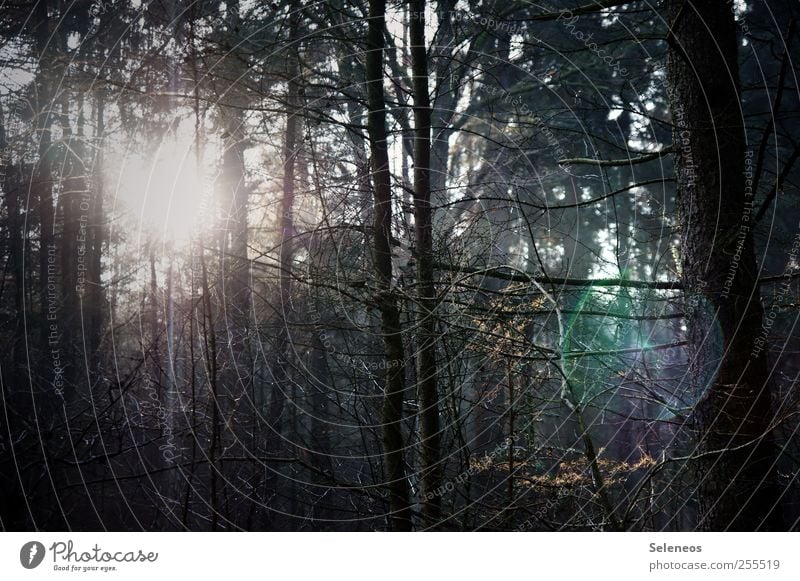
(516, 51)
(606, 244)
(165, 189)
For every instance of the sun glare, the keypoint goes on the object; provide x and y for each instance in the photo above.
(165, 188)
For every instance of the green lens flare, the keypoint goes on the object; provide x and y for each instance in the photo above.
(623, 352)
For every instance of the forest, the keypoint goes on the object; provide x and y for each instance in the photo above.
(399, 265)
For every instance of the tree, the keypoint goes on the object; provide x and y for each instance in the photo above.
(394, 381)
(423, 229)
(734, 420)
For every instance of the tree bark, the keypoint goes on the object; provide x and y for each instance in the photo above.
(426, 294)
(72, 192)
(43, 183)
(736, 488)
(394, 381)
(95, 300)
(282, 389)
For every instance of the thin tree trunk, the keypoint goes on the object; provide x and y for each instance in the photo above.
(72, 191)
(394, 381)
(15, 406)
(281, 388)
(210, 348)
(95, 303)
(447, 94)
(9, 184)
(286, 220)
(426, 359)
(43, 184)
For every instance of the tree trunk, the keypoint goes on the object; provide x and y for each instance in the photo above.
(279, 421)
(43, 184)
(10, 186)
(72, 192)
(95, 300)
(286, 221)
(394, 384)
(426, 360)
(737, 489)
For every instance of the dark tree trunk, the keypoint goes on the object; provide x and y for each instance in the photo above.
(94, 304)
(209, 339)
(49, 395)
(15, 405)
(426, 360)
(281, 420)
(736, 488)
(444, 106)
(10, 187)
(235, 192)
(41, 176)
(394, 384)
(286, 221)
(72, 245)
